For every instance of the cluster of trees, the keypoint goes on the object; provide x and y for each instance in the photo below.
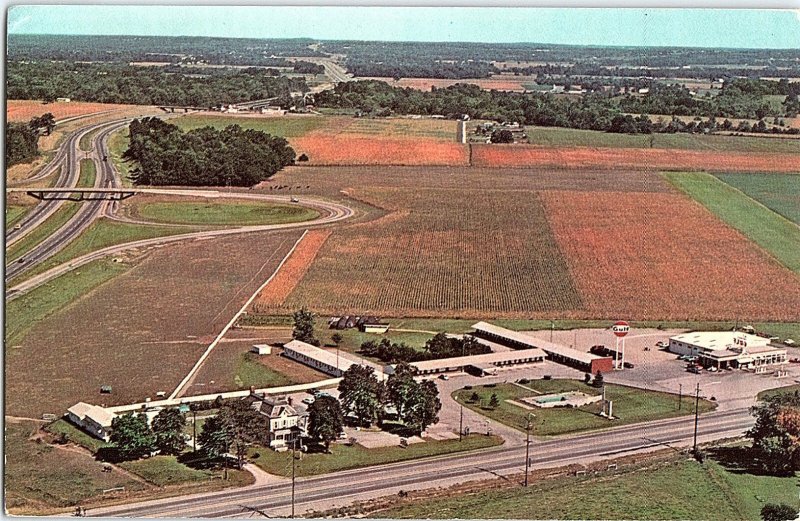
(22, 140)
(165, 155)
(114, 83)
(134, 438)
(409, 67)
(440, 346)
(776, 433)
(174, 49)
(365, 397)
(590, 112)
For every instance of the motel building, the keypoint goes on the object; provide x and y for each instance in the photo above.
(729, 350)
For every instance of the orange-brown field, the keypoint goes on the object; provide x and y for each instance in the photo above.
(358, 150)
(515, 156)
(292, 271)
(142, 331)
(24, 110)
(660, 255)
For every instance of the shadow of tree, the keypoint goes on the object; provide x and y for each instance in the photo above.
(744, 460)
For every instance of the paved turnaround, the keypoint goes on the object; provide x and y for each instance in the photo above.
(342, 488)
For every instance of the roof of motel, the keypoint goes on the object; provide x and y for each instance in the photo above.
(528, 340)
(343, 361)
(484, 359)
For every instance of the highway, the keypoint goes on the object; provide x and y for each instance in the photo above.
(341, 488)
(88, 211)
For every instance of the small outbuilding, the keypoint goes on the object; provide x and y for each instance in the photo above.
(261, 349)
(91, 419)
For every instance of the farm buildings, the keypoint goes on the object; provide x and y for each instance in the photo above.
(92, 419)
(555, 352)
(322, 360)
(728, 349)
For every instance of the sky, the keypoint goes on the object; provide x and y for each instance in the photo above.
(742, 28)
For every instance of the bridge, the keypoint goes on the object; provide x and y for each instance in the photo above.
(111, 194)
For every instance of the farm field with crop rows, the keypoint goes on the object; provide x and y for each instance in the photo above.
(662, 256)
(779, 193)
(513, 156)
(191, 290)
(24, 110)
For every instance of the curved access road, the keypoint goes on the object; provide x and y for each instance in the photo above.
(342, 488)
(329, 213)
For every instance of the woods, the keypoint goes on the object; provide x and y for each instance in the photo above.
(165, 155)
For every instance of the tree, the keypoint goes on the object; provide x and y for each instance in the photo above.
(423, 407)
(502, 136)
(304, 327)
(361, 393)
(326, 420)
(598, 380)
(213, 438)
(475, 397)
(494, 402)
(776, 433)
(168, 428)
(587, 378)
(399, 387)
(132, 436)
(778, 512)
(336, 338)
(243, 425)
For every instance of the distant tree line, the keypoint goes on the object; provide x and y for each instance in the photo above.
(165, 155)
(592, 111)
(22, 139)
(411, 68)
(440, 346)
(109, 83)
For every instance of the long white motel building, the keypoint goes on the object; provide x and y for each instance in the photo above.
(728, 349)
(329, 362)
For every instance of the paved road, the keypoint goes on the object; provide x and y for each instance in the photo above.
(342, 488)
(87, 213)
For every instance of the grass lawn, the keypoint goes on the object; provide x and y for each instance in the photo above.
(681, 489)
(277, 126)
(88, 174)
(630, 406)
(249, 372)
(85, 143)
(564, 137)
(24, 311)
(345, 457)
(774, 233)
(117, 145)
(779, 193)
(780, 390)
(229, 213)
(58, 219)
(15, 213)
(100, 234)
(166, 470)
(353, 338)
(75, 435)
(40, 476)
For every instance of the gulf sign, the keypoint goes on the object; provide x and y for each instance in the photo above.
(620, 328)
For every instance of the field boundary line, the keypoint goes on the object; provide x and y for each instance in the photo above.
(233, 320)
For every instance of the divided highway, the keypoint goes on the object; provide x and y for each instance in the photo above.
(342, 488)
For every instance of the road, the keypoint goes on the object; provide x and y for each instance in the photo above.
(87, 213)
(341, 488)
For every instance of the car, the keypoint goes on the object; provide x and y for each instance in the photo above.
(295, 200)
(789, 342)
(443, 377)
(21, 261)
(712, 369)
(18, 226)
(627, 365)
(308, 401)
(661, 344)
(342, 435)
(693, 369)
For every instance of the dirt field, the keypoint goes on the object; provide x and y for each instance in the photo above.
(142, 331)
(357, 150)
(24, 110)
(513, 156)
(295, 268)
(662, 256)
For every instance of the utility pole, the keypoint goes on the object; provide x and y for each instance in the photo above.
(680, 396)
(194, 428)
(460, 421)
(294, 447)
(552, 328)
(696, 416)
(528, 447)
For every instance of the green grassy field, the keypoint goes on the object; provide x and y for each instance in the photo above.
(100, 234)
(564, 137)
(353, 338)
(39, 476)
(77, 436)
(630, 406)
(24, 311)
(117, 145)
(780, 193)
(774, 233)
(219, 213)
(780, 390)
(88, 174)
(165, 470)
(681, 489)
(15, 213)
(85, 143)
(58, 219)
(277, 126)
(251, 373)
(345, 457)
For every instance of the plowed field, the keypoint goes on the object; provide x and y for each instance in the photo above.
(513, 156)
(24, 110)
(662, 256)
(142, 331)
(358, 150)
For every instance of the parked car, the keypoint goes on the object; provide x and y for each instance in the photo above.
(789, 342)
(308, 401)
(662, 344)
(627, 365)
(712, 369)
(693, 369)
(443, 377)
